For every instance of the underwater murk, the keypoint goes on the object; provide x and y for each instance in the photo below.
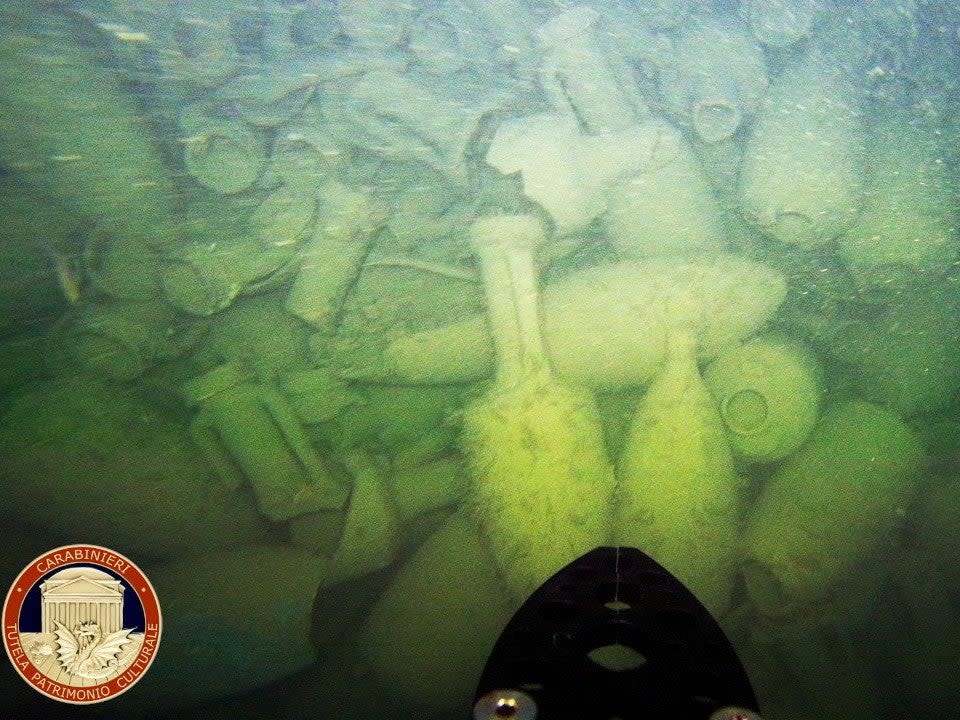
(353, 321)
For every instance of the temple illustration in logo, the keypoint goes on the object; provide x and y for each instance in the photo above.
(81, 636)
(81, 595)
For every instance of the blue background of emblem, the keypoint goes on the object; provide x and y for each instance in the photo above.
(132, 608)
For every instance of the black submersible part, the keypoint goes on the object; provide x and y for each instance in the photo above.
(613, 636)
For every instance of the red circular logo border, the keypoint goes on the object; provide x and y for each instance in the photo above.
(134, 576)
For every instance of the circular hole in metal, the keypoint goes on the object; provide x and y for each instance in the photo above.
(505, 705)
(617, 657)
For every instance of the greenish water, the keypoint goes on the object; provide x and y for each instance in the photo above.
(351, 322)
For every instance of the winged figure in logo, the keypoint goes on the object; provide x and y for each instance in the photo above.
(86, 652)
